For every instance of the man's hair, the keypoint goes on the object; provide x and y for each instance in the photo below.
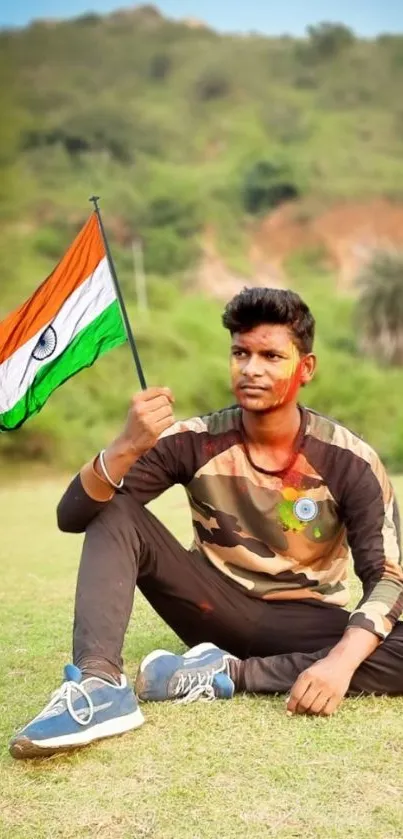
(254, 306)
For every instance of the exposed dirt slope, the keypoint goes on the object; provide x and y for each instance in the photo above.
(343, 235)
(346, 233)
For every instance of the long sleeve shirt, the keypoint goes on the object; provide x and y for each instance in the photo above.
(280, 535)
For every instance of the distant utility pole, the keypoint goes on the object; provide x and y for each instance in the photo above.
(139, 275)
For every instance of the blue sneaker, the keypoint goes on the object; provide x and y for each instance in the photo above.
(201, 673)
(79, 712)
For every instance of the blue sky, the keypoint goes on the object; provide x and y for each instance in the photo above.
(366, 17)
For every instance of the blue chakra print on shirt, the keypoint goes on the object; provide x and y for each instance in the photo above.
(305, 509)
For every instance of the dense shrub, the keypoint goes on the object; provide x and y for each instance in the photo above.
(94, 130)
(267, 185)
(379, 309)
(214, 83)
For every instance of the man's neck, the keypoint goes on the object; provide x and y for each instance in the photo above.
(276, 429)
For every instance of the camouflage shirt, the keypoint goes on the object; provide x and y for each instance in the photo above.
(286, 535)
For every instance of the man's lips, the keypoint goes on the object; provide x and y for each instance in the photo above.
(254, 388)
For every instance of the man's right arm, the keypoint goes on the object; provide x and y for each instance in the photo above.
(149, 415)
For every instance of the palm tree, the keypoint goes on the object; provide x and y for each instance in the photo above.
(379, 312)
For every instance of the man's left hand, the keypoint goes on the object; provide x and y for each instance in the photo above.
(320, 689)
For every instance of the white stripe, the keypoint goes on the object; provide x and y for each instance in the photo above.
(82, 307)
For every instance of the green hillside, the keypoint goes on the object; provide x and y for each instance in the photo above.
(181, 130)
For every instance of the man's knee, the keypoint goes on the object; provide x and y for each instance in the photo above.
(118, 514)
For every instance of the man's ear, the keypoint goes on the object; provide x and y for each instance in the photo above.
(308, 367)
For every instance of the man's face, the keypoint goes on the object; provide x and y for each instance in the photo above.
(266, 367)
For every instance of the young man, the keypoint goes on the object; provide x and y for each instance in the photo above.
(277, 494)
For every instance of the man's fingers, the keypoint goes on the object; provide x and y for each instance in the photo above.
(298, 689)
(152, 406)
(318, 690)
(152, 392)
(331, 706)
(307, 700)
(164, 424)
(319, 704)
(313, 701)
(159, 416)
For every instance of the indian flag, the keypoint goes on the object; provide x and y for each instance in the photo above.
(71, 320)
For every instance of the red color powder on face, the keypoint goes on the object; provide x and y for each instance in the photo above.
(286, 389)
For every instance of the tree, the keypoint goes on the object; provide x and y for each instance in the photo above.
(213, 83)
(267, 184)
(379, 313)
(329, 39)
(94, 129)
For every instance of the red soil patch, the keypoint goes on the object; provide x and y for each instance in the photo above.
(347, 233)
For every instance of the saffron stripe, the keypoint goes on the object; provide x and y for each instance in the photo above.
(85, 304)
(76, 266)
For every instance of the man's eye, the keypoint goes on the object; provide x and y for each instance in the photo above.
(238, 353)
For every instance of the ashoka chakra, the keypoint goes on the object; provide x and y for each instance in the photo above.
(46, 344)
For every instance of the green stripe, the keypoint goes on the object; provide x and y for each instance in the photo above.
(104, 333)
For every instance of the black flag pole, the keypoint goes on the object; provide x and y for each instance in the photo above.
(129, 333)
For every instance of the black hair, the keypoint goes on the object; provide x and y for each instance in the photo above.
(254, 306)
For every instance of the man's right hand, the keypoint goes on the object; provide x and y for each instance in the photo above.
(150, 414)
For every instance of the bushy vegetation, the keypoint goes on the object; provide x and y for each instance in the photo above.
(380, 307)
(181, 130)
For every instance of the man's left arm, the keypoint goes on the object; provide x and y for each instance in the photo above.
(371, 517)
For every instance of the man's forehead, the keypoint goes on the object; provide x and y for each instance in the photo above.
(266, 334)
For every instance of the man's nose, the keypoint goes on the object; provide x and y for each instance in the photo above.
(254, 366)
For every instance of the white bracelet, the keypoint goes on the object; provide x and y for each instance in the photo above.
(105, 472)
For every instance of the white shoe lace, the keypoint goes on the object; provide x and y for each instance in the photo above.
(65, 693)
(195, 686)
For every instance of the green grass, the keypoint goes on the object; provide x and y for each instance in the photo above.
(236, 769)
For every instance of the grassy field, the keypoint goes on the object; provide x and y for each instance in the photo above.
(236, 769)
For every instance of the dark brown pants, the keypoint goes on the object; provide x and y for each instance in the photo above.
(126, 545)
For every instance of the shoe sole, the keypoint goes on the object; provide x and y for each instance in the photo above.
(22, 747)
